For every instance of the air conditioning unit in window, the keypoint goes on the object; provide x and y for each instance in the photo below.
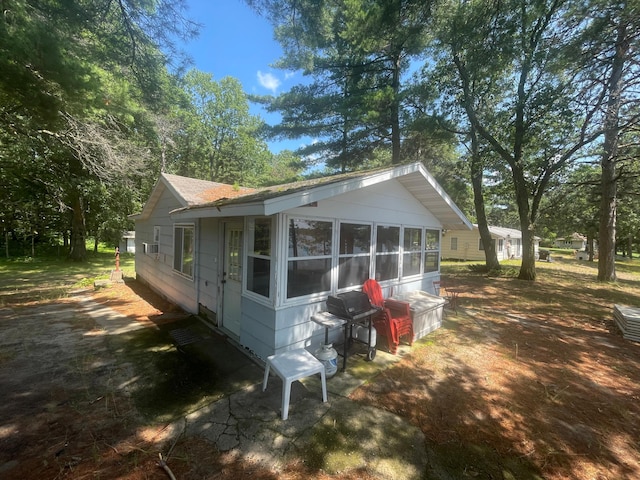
(150, 248)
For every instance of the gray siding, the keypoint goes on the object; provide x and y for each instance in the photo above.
(267, 328)
(388, 203)
(157, 269)
(208, 263)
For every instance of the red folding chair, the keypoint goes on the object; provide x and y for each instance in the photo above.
(394, 319)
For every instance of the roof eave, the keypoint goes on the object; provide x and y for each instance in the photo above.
(239, 210)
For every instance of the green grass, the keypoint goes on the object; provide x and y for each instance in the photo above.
(49, 277)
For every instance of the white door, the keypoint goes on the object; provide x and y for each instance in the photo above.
(232, 277)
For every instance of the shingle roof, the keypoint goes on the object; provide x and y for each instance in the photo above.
(200, 198)
(193, 191)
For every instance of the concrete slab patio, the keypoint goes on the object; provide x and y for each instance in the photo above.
(333, 436)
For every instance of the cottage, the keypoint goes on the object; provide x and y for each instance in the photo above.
(257, 264)
(575, 241)
(467, 245)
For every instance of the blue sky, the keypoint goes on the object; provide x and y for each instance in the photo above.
(234, 41)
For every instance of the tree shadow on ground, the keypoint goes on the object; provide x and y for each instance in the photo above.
(528, 380)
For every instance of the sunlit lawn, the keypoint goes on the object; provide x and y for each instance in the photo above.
(31, 279)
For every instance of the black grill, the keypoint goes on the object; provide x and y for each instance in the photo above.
(350, 305)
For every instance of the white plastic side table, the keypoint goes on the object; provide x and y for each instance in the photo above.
(291, 366)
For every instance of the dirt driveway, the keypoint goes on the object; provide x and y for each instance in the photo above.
(78, 402)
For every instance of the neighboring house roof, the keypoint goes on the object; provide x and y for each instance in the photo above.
(222, 200)
(504, 232)
(573, 237)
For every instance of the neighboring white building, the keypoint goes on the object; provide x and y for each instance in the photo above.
(575, 241)
(259, 263)
(128, 242)
(467, 244)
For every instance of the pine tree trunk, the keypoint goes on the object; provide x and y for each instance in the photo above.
(528, 266)
(490, 254)
(608, 208)
(78, 250)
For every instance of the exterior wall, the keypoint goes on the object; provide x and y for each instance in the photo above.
(156, 270)
(291, 325)
(468, 245)
(269, 327)
(575, 244)
(127, 244)
(388, 203)
(208, 266)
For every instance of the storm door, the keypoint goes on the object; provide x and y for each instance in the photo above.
(232, 277)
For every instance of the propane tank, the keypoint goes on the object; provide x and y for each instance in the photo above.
(329, 357)
(361, 333)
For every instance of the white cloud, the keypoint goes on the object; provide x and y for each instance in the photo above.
(268, 81)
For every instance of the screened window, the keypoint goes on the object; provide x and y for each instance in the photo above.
(259, 257)
(355, 254)
(387, 252)
(431, 251)
(309, 257)
(412, 252)
(454, 243)
(183, 247)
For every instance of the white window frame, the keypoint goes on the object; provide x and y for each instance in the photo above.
(332, 257)
(180, 271)
(419, 249)
(336, 256)
(342, 256)
(252, 254)
(397, 253)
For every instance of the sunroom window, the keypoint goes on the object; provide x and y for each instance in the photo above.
(259, 257)
(387, 252)
(412, 252)
(431, 251)
(355, 254)
(309, 257)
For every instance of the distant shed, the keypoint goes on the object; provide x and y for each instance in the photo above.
(128, 242)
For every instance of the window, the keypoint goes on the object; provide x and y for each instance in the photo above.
(183, 247)
(432, 251)
(233, 253)
(355, 254)
(454, 243)
(387, 252)
(309, 257)
(259, 257)
(412, 252)
(316, 266)
(154, 247)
